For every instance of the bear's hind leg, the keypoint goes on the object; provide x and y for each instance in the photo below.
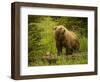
(69, 51)
(66, 51)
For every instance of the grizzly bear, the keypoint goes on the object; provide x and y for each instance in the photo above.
(66, 39)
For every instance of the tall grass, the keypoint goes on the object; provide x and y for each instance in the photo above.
(83, 44)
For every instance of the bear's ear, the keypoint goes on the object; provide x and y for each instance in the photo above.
(54, 28)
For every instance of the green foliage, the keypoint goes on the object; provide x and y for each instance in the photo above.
(79, 58)
(83, 44)
(41, 39)
(48, 36)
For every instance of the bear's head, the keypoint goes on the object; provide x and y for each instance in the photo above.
(59, 29)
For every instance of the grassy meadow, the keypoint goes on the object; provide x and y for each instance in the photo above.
(41, 42)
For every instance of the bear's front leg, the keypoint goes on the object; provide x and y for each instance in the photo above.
(59, 49)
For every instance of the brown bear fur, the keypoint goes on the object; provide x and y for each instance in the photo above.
(67, 39)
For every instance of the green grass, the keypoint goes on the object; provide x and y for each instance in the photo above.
(75, 58)
(83, 44)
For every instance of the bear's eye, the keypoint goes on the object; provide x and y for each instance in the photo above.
(63, 31)
(60, 28)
